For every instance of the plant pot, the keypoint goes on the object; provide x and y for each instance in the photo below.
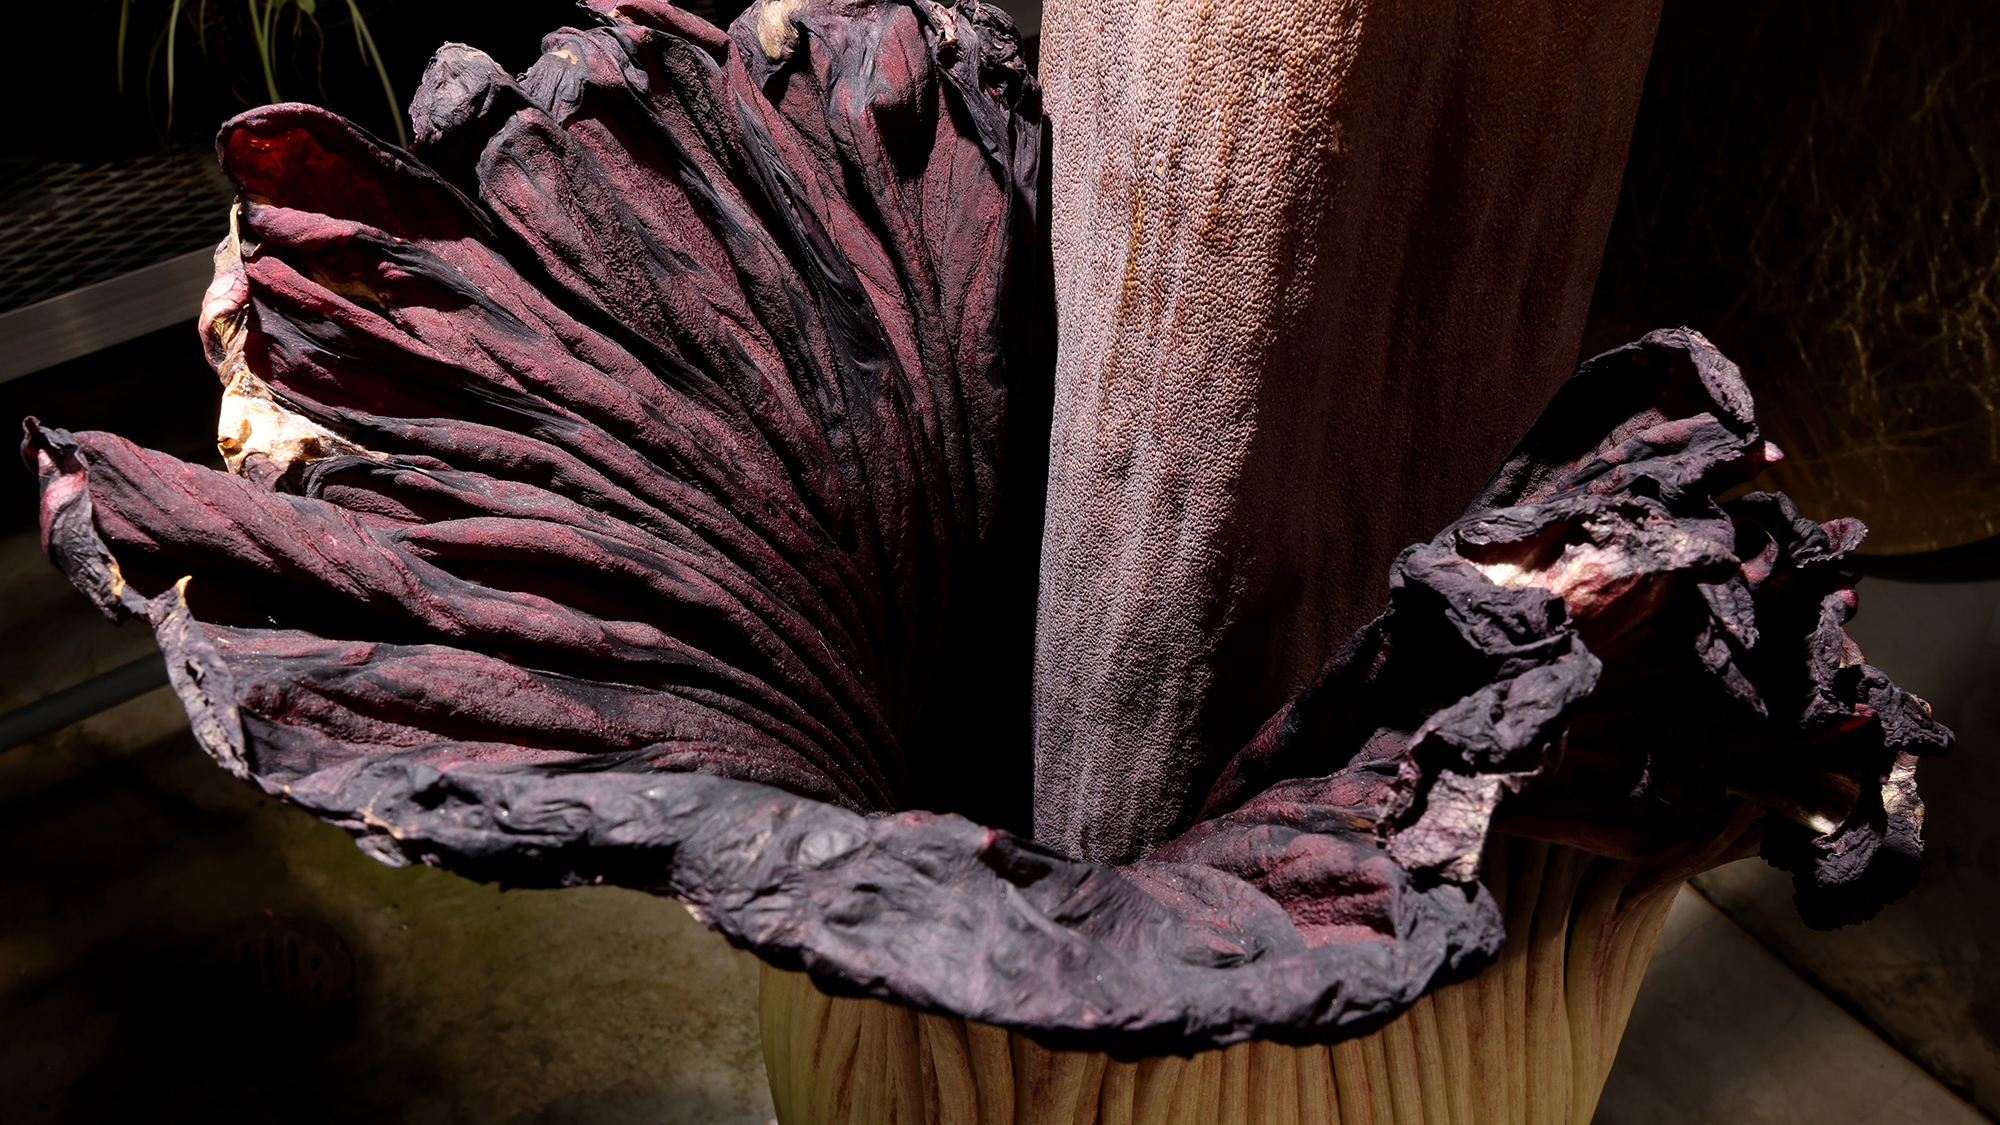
(1530, 1039)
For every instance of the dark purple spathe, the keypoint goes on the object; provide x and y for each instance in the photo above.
(608, 480)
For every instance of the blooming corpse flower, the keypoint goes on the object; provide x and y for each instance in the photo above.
(610, 476)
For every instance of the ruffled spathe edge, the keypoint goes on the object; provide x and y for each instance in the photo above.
(1330, 881)
(928, 910)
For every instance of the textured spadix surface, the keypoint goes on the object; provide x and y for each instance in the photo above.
(607, 477)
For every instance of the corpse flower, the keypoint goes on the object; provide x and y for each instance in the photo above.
(610, 477)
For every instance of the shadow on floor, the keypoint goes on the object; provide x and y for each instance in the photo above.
(180, 948)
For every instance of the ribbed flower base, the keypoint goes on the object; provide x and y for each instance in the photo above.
(1529, 1041)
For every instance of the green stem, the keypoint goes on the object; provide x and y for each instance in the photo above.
(261, 18)
(370, 52)
(124, 17)
(173, 27)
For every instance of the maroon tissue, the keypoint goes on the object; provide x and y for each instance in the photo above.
(612, 472)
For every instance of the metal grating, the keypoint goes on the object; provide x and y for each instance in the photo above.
(65, 226)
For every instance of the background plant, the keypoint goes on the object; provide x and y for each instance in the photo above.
(259, 25)
(1817, 188)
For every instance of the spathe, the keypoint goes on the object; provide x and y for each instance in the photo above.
(608, 477)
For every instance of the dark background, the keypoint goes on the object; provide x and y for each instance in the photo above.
(61, 84)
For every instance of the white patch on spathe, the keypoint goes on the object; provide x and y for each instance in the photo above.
(252, 420)
(775, 30)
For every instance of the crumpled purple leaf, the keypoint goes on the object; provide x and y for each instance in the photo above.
(609, 481)
(1636, 659)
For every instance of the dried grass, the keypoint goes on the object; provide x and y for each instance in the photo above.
(1817, 187)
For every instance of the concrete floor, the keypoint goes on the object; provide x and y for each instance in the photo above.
(149, 907)
(146, 973)
(141, 888)
(1725, 1031)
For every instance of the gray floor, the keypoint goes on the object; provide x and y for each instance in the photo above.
(136, 885)
(1724, 1031)
(136, 876)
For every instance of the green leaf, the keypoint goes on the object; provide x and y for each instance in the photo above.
(173, 26)
(124, 16)
(366, 42)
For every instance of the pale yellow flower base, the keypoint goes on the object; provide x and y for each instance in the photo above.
(1529, 1041)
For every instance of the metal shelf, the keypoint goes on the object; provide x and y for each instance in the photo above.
(97, 316)
(94, 256)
